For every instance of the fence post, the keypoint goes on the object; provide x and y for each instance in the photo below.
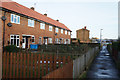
(54, 62)
(64, 60)
(39, 65)
(24, 71)
(11, 55)
(46, 64)
(35, 64)
(17, 70)
(7, 67)
(21, 64)
(31, 71)
(51, 62)
(28, 64)
(59, 61)
(42, 64)
(14, 64)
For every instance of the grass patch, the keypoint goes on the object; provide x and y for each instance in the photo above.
(83, 75)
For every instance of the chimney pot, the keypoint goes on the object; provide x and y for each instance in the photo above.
(45, 14)
(32, 8)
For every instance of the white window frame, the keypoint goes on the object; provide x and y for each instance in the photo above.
(30, 23)
(69, 33)
(66, 32)
(50, 28)
(42, 26)
(56, 30)
(49, 40)
(17, 19)
(61, 31)
(16, 40)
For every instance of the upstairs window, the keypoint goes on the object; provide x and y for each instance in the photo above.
(50, 28)
(15, 19)
(56, 30)
(66, 32)
(69, 33)
(61, 31)
(42, 26)
(30, 23)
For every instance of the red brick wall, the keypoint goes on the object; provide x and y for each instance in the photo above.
(23, 28)
(64, 72)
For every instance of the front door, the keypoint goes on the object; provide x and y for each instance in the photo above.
(45, 41)
(40, 40)
(24, 43)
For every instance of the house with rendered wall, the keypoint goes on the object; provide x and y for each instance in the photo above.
(24, 26)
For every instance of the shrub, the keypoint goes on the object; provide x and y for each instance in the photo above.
(11, 48)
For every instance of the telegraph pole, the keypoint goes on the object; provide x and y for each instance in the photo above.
(101, 36)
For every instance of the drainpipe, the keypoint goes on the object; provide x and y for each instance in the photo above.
(4, 18)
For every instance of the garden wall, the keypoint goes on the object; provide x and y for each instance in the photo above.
(82, 62)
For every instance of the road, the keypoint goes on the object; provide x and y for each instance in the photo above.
(103, 67)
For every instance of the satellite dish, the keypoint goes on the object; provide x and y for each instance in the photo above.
(9, 24)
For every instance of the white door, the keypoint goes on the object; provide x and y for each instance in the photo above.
(24, 42)
(45, 41)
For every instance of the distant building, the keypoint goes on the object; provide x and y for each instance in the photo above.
(75, 41)
(83, 35)
(95, 40)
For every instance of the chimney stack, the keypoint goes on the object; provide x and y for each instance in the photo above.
(32, 8)
(57, 20)
(85, 27)
(45, 14)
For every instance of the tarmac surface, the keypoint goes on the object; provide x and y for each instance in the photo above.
(103, 67)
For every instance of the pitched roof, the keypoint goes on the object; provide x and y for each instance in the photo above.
(13, 6)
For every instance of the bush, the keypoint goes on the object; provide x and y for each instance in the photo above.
(11, 48)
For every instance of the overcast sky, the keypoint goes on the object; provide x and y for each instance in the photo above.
(75, 14)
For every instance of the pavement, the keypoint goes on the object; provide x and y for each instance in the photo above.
(103, 67)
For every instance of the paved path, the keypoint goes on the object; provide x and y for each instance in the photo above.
(103, 67)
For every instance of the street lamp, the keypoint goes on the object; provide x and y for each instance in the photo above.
(100, 36)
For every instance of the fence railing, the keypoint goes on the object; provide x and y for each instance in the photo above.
(19, 65)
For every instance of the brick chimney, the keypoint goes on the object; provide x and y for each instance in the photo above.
(32, 8)
(57, 20)
(45, 14)
(85, 27)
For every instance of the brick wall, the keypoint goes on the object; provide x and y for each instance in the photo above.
(23, 28)
(83, 35)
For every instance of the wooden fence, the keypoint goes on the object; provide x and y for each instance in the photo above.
(25, 65)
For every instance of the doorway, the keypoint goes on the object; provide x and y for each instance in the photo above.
(25, 42)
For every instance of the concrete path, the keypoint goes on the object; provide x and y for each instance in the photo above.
(103, 67)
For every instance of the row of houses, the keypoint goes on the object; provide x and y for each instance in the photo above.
(23, 26)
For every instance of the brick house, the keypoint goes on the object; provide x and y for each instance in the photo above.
(30, 27)
(83, 35)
